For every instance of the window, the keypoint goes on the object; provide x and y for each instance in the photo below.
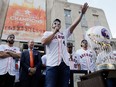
(84, 25)
(84, 22)
(96, 20)
(68, 22)
(67, 14)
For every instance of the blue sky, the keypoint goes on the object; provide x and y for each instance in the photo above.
(109, 8)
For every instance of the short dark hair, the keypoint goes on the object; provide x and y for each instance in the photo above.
(69, 44)
(84, 41)
(57, 20)
(10, 36)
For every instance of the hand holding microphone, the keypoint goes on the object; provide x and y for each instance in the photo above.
(56, 29)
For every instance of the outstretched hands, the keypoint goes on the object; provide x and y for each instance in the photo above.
(84, 8)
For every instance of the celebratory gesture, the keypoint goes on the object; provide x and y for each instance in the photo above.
(84, 8)
(57, 55)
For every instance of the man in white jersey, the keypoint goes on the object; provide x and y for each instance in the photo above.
(8, 53)
(72, 57)
(85, 57)
(106, 57)
(58, 72)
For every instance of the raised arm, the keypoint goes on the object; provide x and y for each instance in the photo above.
(47, 40)
(77, 21)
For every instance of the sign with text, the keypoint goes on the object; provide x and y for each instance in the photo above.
(26, 19)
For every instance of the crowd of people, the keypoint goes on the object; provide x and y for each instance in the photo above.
(29, 69)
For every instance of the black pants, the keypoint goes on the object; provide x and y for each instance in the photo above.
(111, 82)
(6, 80)
(42, 82)
(31, 81)
(17, 84)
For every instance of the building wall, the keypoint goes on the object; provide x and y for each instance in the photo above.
(93, 17)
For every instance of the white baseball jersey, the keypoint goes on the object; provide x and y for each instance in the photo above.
(44, 59)
(86, 59)
(57, 48)
(8, 64)
(73, 62)
(106, 57)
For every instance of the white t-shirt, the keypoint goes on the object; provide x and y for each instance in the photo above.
(106, 57)
(56, 50)
(86, 59)
(8, 64)
(73, 63)
(44, 62)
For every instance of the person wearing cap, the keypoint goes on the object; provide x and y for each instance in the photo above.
(85, 57)
(8, 54)
(58, 71)
(72, 58)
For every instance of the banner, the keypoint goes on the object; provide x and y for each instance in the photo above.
(26, 19)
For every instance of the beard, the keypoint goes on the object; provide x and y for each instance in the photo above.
(10, 41)
(70, 51)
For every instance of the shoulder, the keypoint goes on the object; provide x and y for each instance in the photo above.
(48, 32)
(36, 52)
(26, 51)
(3, 45)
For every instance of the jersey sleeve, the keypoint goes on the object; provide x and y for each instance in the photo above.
(67, 33)
(46, 34)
